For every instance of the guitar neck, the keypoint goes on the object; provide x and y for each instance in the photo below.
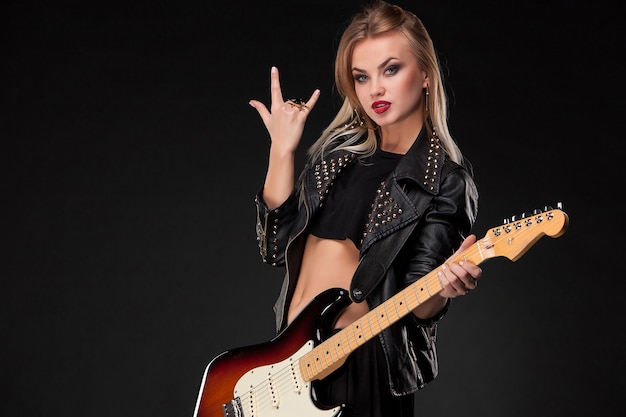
(511, 240)
(332, 353)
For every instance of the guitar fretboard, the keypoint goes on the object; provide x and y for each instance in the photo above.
(332, 353)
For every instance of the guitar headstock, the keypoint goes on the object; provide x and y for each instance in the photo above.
(515, 237)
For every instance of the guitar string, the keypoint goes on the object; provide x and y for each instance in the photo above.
(284, 377)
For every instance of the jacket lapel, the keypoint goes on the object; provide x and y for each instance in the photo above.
(394, 207)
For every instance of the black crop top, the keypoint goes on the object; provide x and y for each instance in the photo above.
(344, 213)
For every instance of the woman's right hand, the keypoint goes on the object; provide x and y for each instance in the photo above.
(285, 121)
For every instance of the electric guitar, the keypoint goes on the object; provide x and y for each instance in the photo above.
(274, 379)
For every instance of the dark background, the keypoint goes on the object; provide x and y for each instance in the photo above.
(131, 160)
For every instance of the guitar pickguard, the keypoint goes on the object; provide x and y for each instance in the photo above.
(277, 390)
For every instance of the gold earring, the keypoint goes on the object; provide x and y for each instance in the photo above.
(426, 98)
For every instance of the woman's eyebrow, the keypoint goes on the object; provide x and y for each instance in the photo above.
(382, 65)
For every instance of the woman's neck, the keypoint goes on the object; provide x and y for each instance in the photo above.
(399, 137)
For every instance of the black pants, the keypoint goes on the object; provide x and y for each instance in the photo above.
(362, 385)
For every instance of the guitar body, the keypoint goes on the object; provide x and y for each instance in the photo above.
(264, 380)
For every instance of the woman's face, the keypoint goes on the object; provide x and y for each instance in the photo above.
(387, 79)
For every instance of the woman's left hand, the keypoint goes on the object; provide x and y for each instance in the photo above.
(459, 278)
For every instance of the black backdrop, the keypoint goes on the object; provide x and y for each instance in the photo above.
(131, 159)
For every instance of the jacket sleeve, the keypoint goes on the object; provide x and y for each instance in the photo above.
(444, 225)
(447, 221)
(273, 228)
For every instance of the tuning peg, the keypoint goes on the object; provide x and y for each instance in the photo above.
(559, 205)
(536, 211)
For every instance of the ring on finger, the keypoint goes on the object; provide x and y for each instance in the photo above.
(299, 103)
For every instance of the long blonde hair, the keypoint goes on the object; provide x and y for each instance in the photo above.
(352, 129)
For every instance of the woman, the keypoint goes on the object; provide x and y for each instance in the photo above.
(384, 198)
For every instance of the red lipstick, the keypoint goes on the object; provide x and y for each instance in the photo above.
(381, 106)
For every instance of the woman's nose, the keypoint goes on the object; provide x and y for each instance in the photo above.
(376, 89)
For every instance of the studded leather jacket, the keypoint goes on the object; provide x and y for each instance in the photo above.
(422, 213)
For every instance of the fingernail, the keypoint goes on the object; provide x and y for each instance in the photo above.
(252, 104)
(273, 70)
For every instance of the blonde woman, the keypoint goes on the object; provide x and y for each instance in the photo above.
(385, 198)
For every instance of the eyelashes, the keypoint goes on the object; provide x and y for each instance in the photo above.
(392, 69)
(389, 71)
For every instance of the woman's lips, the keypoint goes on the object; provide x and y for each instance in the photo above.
(381, 106)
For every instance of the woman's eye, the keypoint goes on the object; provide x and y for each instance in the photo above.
(359, 78)
(392, 69)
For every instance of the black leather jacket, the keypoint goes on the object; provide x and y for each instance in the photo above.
(421, 215)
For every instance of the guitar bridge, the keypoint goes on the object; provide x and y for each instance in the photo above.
(233, 408)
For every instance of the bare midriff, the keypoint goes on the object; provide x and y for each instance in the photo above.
(327, 263)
